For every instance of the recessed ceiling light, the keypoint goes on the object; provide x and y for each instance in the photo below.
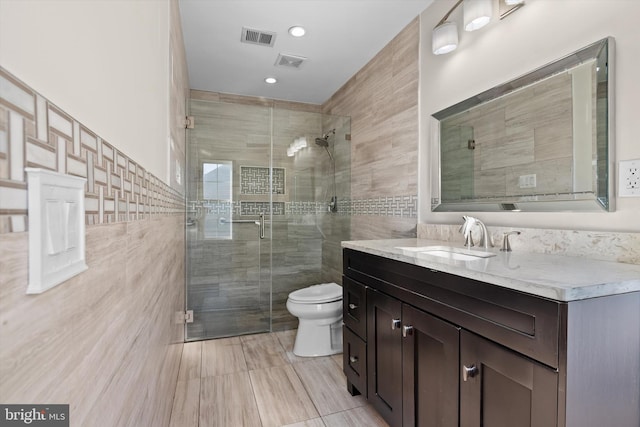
(270, 80)
(297, 31)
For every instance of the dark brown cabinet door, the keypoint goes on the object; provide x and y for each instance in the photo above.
(500, 388)
(384, 356)
(431, 354)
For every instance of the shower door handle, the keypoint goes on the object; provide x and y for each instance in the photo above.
(261, 225)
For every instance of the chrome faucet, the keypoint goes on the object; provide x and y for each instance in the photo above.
(485, 238)
(506, 246)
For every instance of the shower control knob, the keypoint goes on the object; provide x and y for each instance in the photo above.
(352, 306)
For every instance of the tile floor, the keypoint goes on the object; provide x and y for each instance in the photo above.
(257, 381)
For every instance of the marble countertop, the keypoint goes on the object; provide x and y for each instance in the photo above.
(561, 278)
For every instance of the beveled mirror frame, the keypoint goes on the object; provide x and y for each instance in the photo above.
(601, 196)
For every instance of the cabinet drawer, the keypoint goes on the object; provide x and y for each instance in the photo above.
(354, 360)
(354, 303)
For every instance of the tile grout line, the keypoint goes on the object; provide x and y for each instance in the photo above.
(244, 357)
(308, 394)
(200, 382)
(301, 381)
(253, 392)
(175, 391)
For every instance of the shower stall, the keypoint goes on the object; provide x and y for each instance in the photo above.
(267, 209)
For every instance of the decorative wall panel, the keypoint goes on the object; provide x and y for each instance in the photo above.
(36, 133)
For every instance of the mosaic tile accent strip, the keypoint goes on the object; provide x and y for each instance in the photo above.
(36, 133)
(254, 208)
(398, 206)
(305, 208)
(255, 180)
(235, 208)
(214, 206)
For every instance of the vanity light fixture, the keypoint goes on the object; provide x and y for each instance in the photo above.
(476, 14)
(271, 80)
(444, 38)
(297, 31)
(507, 7)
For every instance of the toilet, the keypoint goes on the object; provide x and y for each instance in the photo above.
(319, 311)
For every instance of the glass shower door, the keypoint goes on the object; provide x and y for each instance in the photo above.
(228, 204)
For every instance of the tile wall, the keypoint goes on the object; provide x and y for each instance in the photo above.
(107, 341)
(382, 101)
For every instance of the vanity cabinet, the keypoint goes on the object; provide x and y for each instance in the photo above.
(446, 351)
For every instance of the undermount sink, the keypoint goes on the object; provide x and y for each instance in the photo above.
(448, 252)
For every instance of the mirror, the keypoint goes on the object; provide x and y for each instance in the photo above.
(541, 142)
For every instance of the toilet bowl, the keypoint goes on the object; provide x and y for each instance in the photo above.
(319, 311)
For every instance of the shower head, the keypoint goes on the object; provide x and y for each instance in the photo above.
(322, 142)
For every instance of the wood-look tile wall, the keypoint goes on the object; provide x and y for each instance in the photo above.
(382, 101)
(107, 341)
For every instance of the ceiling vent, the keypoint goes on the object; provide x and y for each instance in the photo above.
(290, 61)
(263, 38)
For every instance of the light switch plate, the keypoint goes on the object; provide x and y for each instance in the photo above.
(629, 178)
(56, 228)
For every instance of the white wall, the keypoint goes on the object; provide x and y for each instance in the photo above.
(104, 62)
(539, 33)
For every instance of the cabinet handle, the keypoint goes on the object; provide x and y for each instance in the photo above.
(353, 359)
(469, 372)
(352, 306)
(395, 323)
(407, 330)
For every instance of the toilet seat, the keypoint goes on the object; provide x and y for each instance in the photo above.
(317, 294)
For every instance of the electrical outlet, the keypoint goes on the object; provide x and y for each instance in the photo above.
(629, 178)
(527, 181)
